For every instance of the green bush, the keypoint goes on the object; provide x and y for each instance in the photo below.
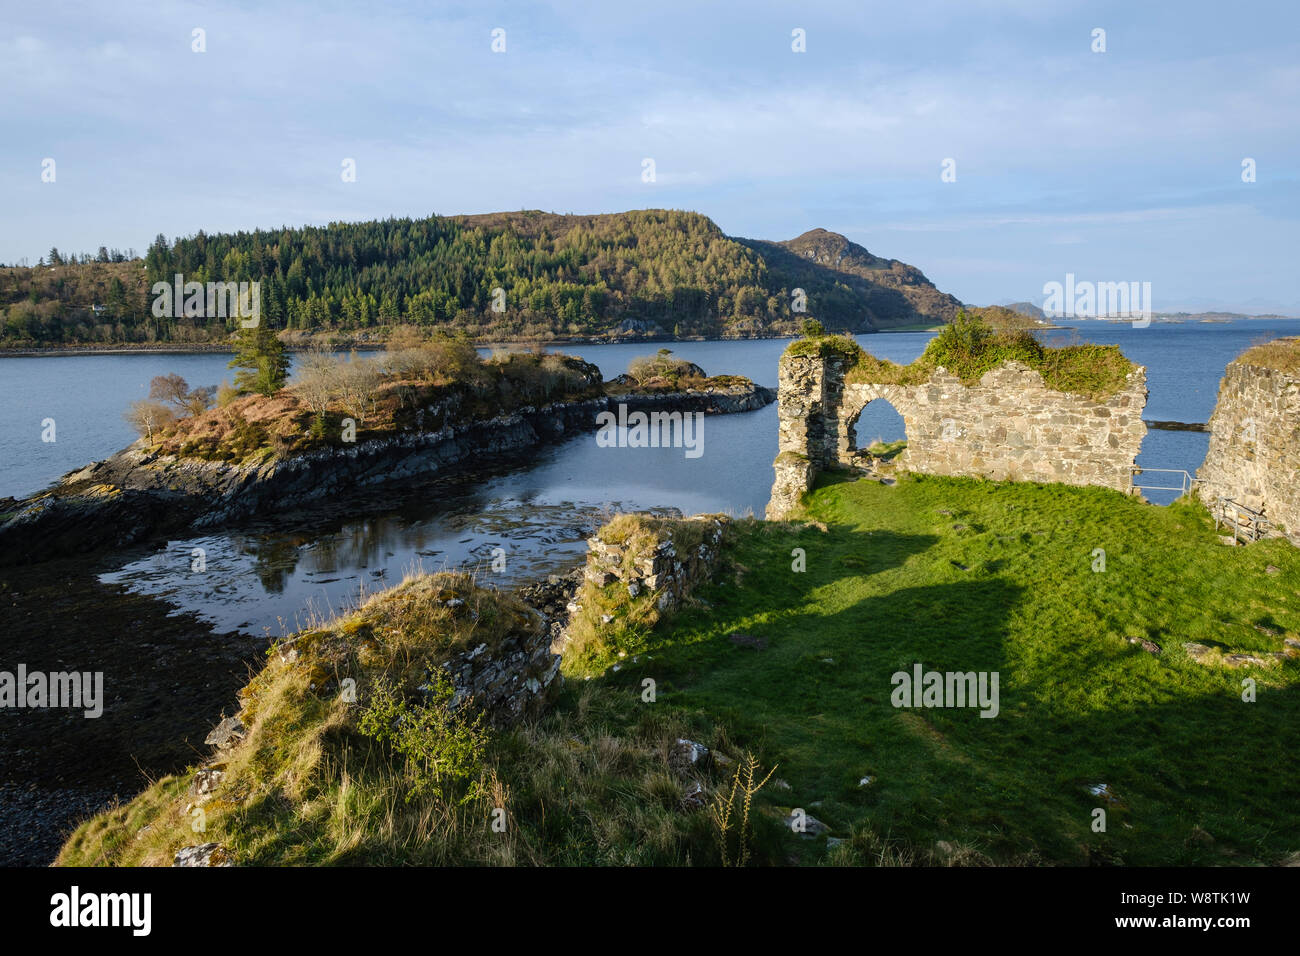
(967, 348)
(444, 750)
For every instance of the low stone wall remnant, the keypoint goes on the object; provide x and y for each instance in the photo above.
(1009, 426)
(1254, 453)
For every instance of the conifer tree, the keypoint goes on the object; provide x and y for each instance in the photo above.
(262, 355)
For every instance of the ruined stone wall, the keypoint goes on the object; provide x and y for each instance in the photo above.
(666, 566)
(1009, 426)
(809, 392)
(667, 569)
(1254, 454)
(513, 680)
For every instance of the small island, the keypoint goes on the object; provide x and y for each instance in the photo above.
(210, 456)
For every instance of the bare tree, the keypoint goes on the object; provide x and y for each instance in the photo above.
(147, 416)
(356, 387)
(173, 388)
(317, 386)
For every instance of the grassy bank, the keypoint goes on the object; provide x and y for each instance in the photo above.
(395, 778)
(795, 668)
(962, 575)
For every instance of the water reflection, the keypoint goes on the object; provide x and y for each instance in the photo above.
(538, 508)
(280, 574)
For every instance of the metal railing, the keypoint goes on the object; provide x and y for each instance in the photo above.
(1246, 522)
(1186, 481)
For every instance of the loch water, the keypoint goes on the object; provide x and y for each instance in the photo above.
(530, 512)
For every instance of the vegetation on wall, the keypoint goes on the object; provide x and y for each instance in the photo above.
(1282, 355)
(968, 347)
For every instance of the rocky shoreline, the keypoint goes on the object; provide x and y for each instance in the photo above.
(133, 495)
(182, 683)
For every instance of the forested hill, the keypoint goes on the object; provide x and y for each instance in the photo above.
(647, 272)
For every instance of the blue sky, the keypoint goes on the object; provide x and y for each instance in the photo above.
(1116, 166)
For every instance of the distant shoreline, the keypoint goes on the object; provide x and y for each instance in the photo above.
(225, 349)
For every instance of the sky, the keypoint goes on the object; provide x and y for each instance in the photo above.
(1119, 165)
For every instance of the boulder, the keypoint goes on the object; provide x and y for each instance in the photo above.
(206, 854)
(226, 734)
(685, 755)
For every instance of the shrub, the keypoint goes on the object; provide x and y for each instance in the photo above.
(245, 437)
(443, 360)
(174, 389)
(532, 378)
(662, 365)
(844, 346)
(444, 750)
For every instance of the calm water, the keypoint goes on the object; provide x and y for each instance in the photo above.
(272, 576)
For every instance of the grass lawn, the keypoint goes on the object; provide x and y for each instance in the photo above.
(951, 574)
(965, 575)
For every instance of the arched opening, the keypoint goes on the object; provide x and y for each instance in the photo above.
(877, 435)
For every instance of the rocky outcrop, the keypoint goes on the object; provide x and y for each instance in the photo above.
(654, 562)
(205, 854)
(667, 568)
(1008, 426)
(520, 674)
(134, 494)
(1254, 453)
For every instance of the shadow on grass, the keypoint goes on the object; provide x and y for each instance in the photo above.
(1193, 775)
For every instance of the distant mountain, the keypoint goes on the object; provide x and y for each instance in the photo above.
(1198, 308)
(895, 293)
(525, 275)
(1027, 308)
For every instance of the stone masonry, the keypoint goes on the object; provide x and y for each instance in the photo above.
(1009, 426)
(663, 567)
(1254, 454)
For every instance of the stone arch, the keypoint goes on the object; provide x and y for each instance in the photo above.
(855, 402)
(1007, 426)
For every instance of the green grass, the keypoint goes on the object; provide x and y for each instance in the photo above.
(887, 450)
(954, 574)
(1283, 355)
(1203, 777)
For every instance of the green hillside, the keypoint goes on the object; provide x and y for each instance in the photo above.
(652, 273)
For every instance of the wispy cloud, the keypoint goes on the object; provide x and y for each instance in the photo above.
(1055, 147)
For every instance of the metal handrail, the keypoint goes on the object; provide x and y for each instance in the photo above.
(1254, 526)
(1185, 487)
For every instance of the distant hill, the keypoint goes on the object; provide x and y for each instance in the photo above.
(646, 273)
(1003, 317)
(1027, 308)
(895, 292)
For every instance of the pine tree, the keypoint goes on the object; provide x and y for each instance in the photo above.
(260, 352)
